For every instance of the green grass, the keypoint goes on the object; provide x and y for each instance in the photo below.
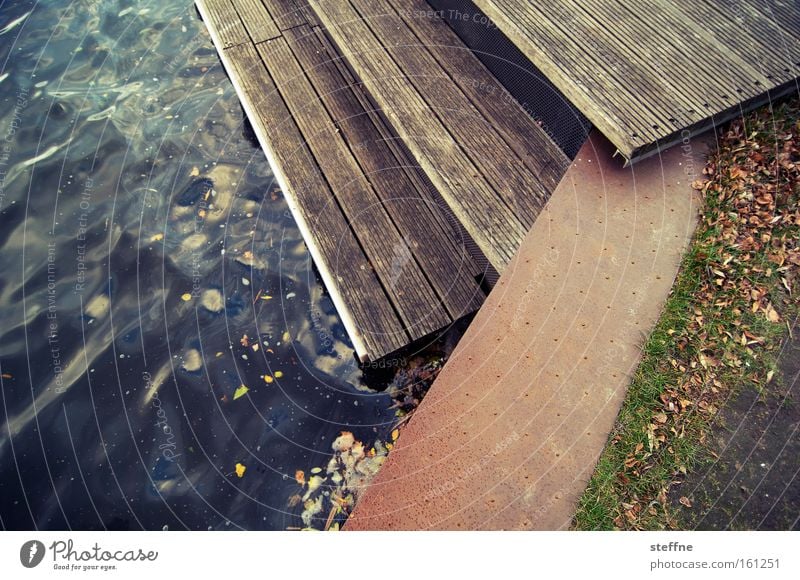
(694, 358)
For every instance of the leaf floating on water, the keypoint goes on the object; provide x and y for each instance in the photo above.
(268, 379)
(313, 484)
(240, 469)
(240, 392)
(245, 341)
(186, 297)
(157, 237)
(278, 374)
(294, 500)
(194, 172)
(316, 470)
(7, 376)
(266, 297)
(300, 477)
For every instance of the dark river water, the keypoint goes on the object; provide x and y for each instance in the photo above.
(149, 270)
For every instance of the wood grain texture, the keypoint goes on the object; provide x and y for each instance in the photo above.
(397, 267)
(433, 92)
(643, 71)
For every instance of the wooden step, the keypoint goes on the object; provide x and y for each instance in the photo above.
(409, 170)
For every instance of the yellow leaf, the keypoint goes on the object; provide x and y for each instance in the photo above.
(266, 297)
(186, 297)
(240, 469)
(157, 237)
(194, 172)
(300, 477)
(395, 434)
(240, 392)
(268, 379)
(278, 374)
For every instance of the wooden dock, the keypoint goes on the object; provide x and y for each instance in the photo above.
(414, 175)
(377, 126)
(646, 71)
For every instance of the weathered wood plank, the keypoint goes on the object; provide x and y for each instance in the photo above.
(529, 141)
(355, 289)
(644, 70)
(222, 18)
(260, 26)
(444, 262)
(494, 226)
(406, 285)
(289, 13)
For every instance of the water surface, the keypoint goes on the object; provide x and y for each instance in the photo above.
(150, 269)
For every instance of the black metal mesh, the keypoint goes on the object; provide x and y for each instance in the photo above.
(528, 85)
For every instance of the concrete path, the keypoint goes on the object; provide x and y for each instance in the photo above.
(510, 432)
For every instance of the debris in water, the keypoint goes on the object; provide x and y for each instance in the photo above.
(192, 361)
(211, 300)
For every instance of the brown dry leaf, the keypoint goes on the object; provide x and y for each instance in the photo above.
(685, 501)
(772, 315)
(300, 477)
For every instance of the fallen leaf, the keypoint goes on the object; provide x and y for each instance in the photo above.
(157, 237)
(186, 297)
(278, 374)
(772, 315)
(300, 477)
(268, 379)
(240, 392)
(194, 172)
(685, 501)
(240, 469)
(395, 434)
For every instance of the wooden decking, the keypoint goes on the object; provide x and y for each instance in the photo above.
(377, 127)
(644, 71)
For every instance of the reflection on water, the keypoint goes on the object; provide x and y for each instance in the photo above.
(150, 271)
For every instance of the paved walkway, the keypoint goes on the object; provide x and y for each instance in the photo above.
(510, 431)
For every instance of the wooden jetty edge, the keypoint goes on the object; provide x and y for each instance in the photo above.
(377, 124)
(649, 73)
